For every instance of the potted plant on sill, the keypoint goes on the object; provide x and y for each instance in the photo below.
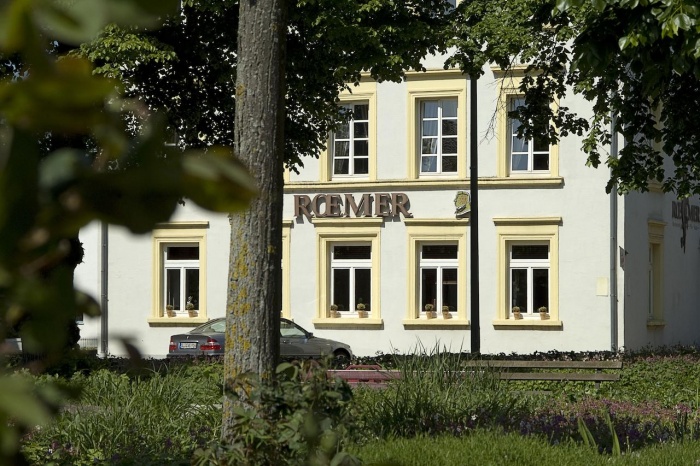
(544, 315)
(430, 311)
(170, 310)
(517, 315)
(361, 311)
(446, 312)
(334, 311)
(190, 307)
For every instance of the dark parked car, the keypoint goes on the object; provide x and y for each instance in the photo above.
(295, 342)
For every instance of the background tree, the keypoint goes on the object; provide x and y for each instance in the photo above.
(637, 60)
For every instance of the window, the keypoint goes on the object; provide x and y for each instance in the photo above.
(528, 160)
(437, 103)
(179, 272)
(529, 277)
(528, 269)
(437, 271)
(351, 276)
(438, 136)
(438, 276)
(351, 152)
(350, 144)
(348, 270)
(526, 155)
(655, 273)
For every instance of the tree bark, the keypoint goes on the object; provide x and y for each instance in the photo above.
(255, 279)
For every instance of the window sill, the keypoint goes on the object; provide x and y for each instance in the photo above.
(427, 182)
(177, 321)
(528, 323)
(656, 323)
(347, 323)
(422, 324)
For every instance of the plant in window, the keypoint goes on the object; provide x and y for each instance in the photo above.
(446, 312)
(170, 310)
(543, 312)
(190, 307)
(361, 310)
(430, 311)
(334, 311)
(517, 315)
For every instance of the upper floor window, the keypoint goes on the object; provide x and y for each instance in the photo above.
(350, 143)
(438, 129)
(526, 155)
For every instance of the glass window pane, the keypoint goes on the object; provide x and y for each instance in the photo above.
(428, 280)
(363, 288)
(429, 146)
(172, 288)
(530, 251)
(428, 165)
(517, 102)
(449, 108)
(449, 289)
(352, 252)
(361, 166)
(541, 145)
(183, 253)
(341, 289)
(449, 127)
(540, 288)
(343, 132)
(361, 112)
(340, 167)
(430, 128)
(449, 164)
(361, 148)
(289, 330)
(341, 149)
(192, 286)
(519, 162)
(361, 130)
(518, 288)
(519, 145)
(540, 162)
(449, 145)
(429, 109)
(439, 251)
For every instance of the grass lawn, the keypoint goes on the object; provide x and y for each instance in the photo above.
(489, 448)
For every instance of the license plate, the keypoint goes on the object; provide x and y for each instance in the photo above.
(188, 345)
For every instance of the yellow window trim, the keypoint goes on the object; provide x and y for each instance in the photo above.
(286, 302)
(329, 231)
(508, 87)
(656, 240)
(178, 232)
(364, 91)
(422, 231)
(512, 229)
(428, 86)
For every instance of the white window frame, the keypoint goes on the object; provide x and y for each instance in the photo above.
(351, 265)
(439, 137)
(181, 265)
(440, 265)
(531, 152)
(528, 308)
(175, 234)
(351, 139)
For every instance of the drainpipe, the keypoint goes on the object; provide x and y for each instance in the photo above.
(613, 244)
(474, 218)
(104, 320)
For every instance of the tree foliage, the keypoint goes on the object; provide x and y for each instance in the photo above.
(636, 59)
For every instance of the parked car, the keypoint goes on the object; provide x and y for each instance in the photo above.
(295, 342)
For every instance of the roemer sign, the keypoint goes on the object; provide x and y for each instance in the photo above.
(345, 205)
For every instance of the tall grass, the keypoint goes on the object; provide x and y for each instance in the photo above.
(159, 419)
(433, 395)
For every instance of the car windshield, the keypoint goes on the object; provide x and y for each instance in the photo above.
(215, 326)
(289, 330)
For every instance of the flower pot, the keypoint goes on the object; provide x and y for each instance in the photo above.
(335, 314)
(362, 314)
(170, 312)
(192, 313)
(517, 316)
(430, 314)
(446, 315)
(544, 315)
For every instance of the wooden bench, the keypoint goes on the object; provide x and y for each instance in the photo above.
(586, 371)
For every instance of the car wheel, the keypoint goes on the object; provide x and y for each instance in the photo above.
(341, 358)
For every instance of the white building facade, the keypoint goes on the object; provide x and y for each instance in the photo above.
(377, 232)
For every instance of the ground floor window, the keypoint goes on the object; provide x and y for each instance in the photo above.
(179, 258)
(351, 281)
(438, 277)
(529, 277)
(528, 269)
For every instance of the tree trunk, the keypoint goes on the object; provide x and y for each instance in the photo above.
(255, 279)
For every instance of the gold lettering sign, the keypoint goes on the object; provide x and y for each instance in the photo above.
(347, 205)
